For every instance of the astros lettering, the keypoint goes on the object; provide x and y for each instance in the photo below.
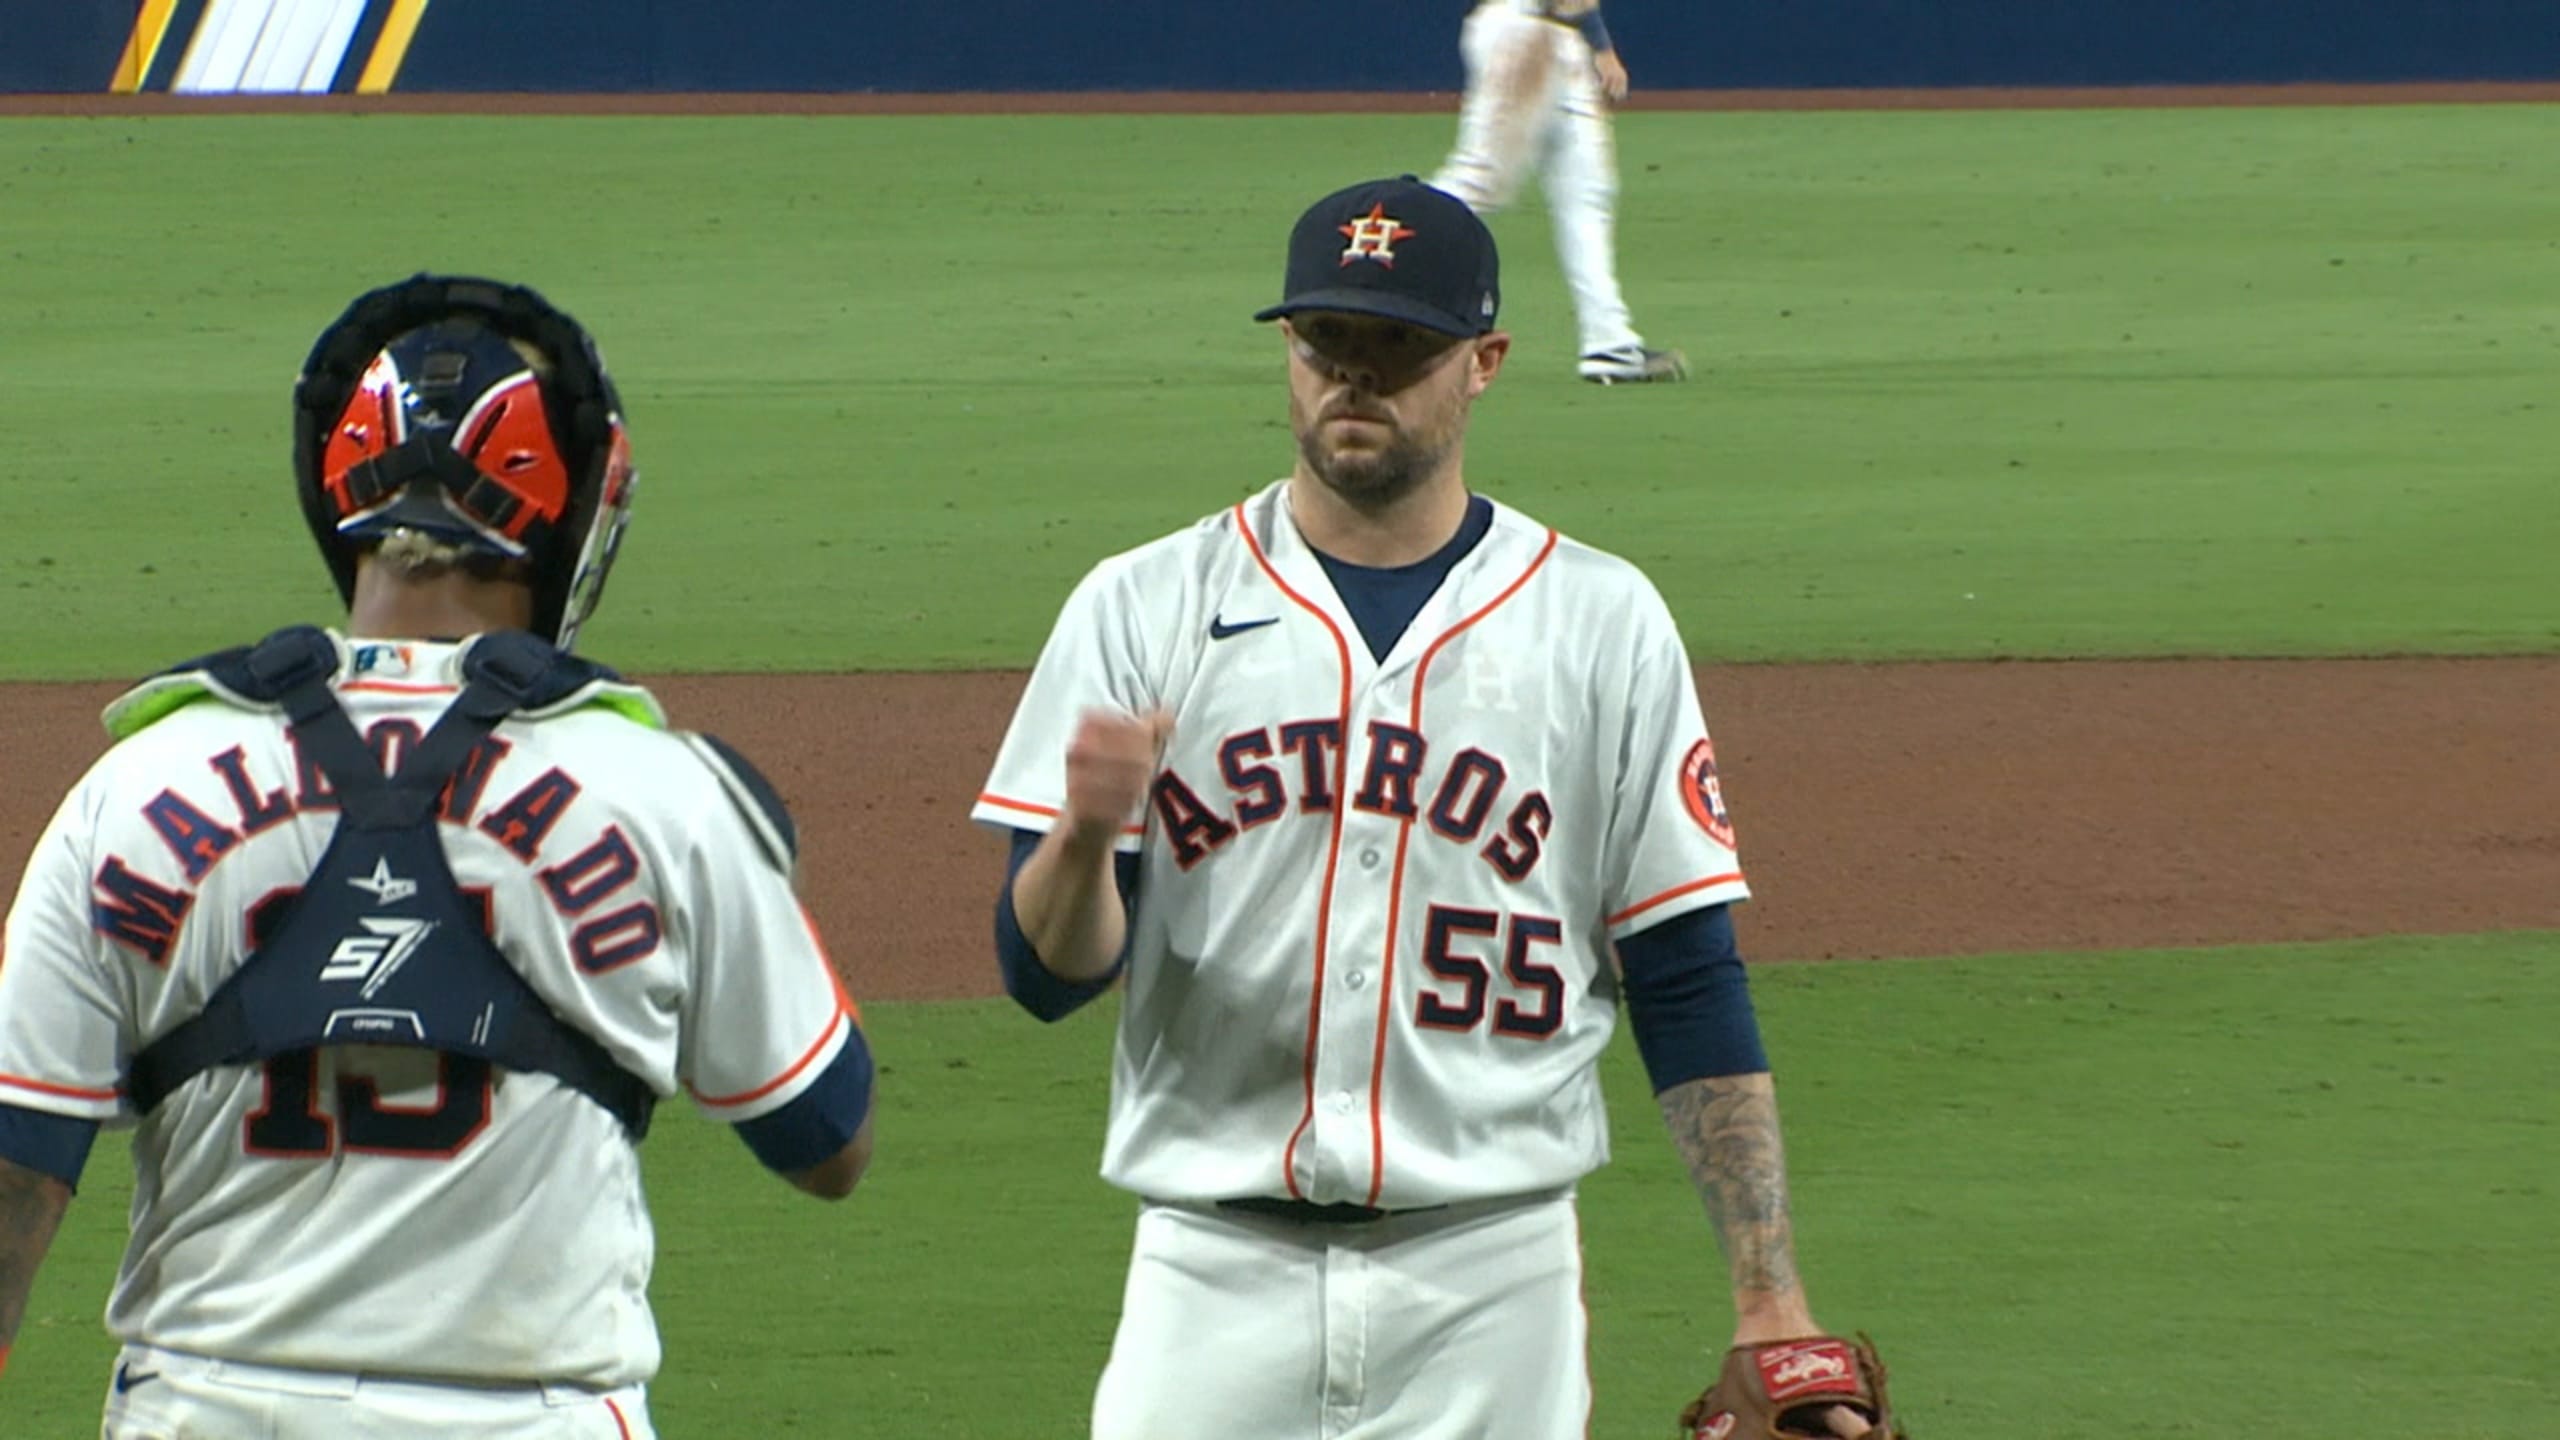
(1258, 769)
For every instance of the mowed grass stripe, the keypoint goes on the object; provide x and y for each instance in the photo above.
(2034, 383)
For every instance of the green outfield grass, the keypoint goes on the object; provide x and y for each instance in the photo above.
(2298, 1192)
(2060, 383)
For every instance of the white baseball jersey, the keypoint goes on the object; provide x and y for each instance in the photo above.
(1370, 956)
(350, 1214)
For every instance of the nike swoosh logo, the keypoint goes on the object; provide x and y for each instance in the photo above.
(1219, 629)
(127, 1378)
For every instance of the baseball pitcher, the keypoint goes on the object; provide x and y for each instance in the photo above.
(386, 943)
(1384, 798)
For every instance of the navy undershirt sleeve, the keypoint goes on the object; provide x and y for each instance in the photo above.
(1594, 30)
(820, 1120)
(1033, 985)
(1689, 1001)
(48, 1144)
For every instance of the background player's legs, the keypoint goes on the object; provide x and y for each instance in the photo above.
(1581, 170)
(1221, 1331)
(1476, 1327)
(1503, 122)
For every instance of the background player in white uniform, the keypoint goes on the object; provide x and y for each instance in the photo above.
(1359, 782)
(1542, 76)
(370, 1240)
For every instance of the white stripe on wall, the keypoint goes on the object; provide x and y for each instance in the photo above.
(329, 49)
(268, 46)
(220, 47)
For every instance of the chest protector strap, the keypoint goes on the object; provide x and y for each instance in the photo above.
(382, 947)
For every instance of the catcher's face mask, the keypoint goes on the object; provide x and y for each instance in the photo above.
(420, 409)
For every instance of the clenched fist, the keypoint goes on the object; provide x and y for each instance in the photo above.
(1110, 762)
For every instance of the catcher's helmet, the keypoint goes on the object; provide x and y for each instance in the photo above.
(415, 411)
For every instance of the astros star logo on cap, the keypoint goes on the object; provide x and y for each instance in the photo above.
(1374, 237)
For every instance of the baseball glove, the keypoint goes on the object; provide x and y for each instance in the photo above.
(1784, 1389)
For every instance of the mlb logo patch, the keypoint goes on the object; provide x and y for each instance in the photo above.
(383, 659)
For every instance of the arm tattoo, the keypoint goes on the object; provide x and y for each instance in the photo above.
(1727, 1129)
(31, 1206)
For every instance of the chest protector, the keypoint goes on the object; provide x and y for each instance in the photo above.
(381, 947)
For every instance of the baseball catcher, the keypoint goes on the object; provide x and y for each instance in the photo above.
(1821, 1387)
(386, 940)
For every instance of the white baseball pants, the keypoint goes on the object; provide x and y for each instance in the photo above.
(1464, 1323)
(172, 1395)
(1533, 103)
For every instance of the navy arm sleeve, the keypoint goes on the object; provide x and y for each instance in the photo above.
(820, 1120)
(1689, 1001)
(1034, 986)
(48, 1144)
(1594, 30)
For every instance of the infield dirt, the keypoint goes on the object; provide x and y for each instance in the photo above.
(1883, 809)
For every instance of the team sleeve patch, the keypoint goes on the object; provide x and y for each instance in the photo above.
(755, 798)
(1703, 793)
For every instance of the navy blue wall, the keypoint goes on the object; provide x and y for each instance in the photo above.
(65, 45)
(1412, 44)
(1868, 43)
(938, 45)
(732, 45)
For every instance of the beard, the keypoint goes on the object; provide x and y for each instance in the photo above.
(1375, 479)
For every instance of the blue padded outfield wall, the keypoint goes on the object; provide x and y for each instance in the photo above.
(945, 45)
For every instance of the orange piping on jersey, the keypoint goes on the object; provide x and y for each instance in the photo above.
(73, 1092)
(778, 1081)
(1045, 812)
(835, 977)
(1674, 893)
(619, 1423)
(1395, 884)
(1332, 854)
(394, 687)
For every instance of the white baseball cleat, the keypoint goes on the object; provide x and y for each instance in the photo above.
(1635, 365)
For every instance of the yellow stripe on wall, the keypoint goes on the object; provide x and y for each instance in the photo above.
(390, 47)
(150, 27)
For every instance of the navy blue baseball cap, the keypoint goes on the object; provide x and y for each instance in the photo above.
(1397, 248)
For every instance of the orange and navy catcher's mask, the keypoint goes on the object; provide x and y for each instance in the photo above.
(415, 412)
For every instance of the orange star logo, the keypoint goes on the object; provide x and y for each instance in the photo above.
(1374, 237)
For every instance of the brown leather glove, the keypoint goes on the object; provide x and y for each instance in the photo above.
(1787, 1388)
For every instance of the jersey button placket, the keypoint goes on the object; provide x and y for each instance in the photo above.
(1356, 966)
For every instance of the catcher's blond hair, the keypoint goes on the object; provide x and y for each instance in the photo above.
(415, 554)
